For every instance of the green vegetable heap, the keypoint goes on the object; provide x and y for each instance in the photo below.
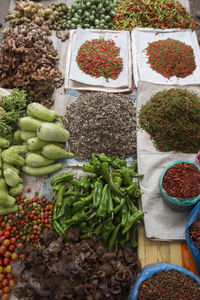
(171, 117)
(101, 203)
(83, 13)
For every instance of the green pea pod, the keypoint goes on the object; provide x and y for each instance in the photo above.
(132, 220)
(97, 194)
(64, 177)
(113, 239)
(102, 209)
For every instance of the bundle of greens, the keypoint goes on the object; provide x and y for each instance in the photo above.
(12, 109)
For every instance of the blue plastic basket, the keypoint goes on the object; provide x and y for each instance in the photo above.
(194, 215)
(152, 269)
(177, 203)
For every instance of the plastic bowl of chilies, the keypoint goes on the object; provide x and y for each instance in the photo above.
(195, 251)
(197, 159)
(152, 269)
(178, 204)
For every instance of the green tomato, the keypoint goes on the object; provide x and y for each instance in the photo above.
(86, 14)
(107, 18)
(86, 25)
(80, 12)
(102, 26)
(112, 14)
(88, 4)
(73, 26)
(87, 20)
(92, 18)
(75, 20)
(102, 17)
(96, 22)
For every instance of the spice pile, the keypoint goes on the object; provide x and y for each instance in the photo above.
(154, 14)
(171, 58)
(75, 270)
(194, 232)
(182, 181)
(169, 285)
(102, 123)
(27, 61)
(103, 203)
(100, 57)
(171, 117)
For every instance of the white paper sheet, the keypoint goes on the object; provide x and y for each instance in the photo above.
(121, 39)
(161, 222)
(141, 37)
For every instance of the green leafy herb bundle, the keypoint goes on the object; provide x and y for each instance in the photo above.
(171, 117)
(11, 110)
(171, 58)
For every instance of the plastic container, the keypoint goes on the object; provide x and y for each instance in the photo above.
(197, 159)
(152, 269)
(174, 203)
(194, 215)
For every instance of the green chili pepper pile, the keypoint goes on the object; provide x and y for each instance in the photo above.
(100, 203)
(155, 14)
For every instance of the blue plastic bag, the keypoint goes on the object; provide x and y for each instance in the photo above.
(194, 215)
(152, 269)
(173, 202)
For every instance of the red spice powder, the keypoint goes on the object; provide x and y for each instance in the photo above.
(171, 58)
(100, 57)
(182, 181)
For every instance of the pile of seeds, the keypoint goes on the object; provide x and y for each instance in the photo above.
(194, 232)
(169, 285)
(171, 117)
(171, 58)
(156, 14)
(100, 57)
(102, 123)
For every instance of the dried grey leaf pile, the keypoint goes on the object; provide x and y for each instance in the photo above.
(102, 122)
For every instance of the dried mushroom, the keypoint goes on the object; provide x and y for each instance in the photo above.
(27, 61)
(77, 270)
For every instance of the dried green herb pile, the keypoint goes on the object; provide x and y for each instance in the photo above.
(171, 58)
(100, 57)
(102, 123)
(156, 14)
(171, 117)
(169, 285)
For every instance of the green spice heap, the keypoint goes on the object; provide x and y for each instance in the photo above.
(156, 14)
(171, 58)
(100, 57)
(172, 120)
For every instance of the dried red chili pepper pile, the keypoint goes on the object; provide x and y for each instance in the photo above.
(182, 181)
(194, 232)
(169, 285)
(171, 117)
(171, 58)
(155, 14)
(100, 57)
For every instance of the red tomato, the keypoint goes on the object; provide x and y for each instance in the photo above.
(14, 256)
(10, 276)
(7, 233)
(8, 228)
(3, 250)
(1, 277)
(6, 242)
(6, 289)
(13, 240)
(1, 292)
(1, 262)
(2, 238)
(1, 232)
(11, 248)
(12, 282)
(20, 245)
(7, 254)
(6, 261)
(6, 297)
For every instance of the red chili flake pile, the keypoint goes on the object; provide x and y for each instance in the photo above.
(154, 14)
(182, 181)
(171, 58)
(100, 57)
(194, 232)
(169, 285)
